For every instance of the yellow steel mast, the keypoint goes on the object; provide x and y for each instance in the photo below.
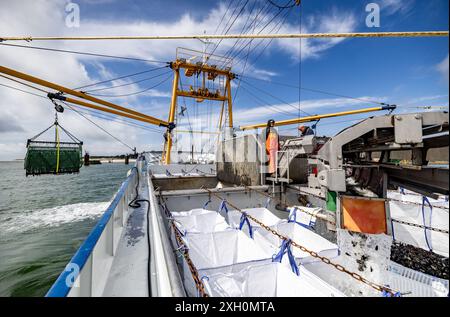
(209, 72)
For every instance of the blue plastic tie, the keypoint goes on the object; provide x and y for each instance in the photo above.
(425, 200)
(286, 247)
(244, 219)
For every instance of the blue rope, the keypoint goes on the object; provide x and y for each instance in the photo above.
(267, 202)
(392, 229)
(286, 247)
(207, 203)
(293, 218)
(244, 219)
(425, 200)
(223, 205)
(387, 294)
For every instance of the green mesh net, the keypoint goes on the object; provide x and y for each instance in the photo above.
(43, 158)
(46, 157)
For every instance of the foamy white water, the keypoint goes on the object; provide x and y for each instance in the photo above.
(51, 217)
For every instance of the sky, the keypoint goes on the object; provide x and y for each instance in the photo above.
(409, 72)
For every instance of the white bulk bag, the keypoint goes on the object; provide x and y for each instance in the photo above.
(262, 214)
(218, 252)
(268, 280)
(222, 248)
(200, 223)
(302, 218)
(192, 212)
(420, 237)
(305, 237)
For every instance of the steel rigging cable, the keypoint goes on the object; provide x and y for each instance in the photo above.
(82, 53)
(317, 91)
(98, 126)
(239, 13)
(121, 77)
(103, 116)
(127, 84)
(275, 97)
(286, 6)
(134, 93)
(93, 113)
(280, 23)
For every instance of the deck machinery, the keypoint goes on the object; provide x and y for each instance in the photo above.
(365, 160)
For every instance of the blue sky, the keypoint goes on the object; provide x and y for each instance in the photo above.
(409, 72)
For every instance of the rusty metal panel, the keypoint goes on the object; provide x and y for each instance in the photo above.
(361, 214)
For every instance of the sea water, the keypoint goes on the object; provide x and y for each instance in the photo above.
(44, 219)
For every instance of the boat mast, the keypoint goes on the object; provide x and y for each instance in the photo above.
(209, 73)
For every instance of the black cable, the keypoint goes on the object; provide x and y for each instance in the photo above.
(103, 116)
(27, 92)
(134, 93)
(254, 24)
(244, 29)
(98, 126)
(275, 97)
(99, 115)
(271, 107)
(286, 6)
(280, 23)
(135, 203)
(127, 84)
(22, 83)
(316, 91)
(239, 13)
(121, 77)
(259, 32)
(83, 53)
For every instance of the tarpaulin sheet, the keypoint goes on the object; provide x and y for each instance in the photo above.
(268, 280)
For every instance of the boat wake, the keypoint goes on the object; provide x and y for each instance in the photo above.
(51, 217)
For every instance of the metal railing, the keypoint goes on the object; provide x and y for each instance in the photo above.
(80, 276)
(286, 167)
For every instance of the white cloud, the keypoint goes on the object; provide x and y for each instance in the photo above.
(334, 22)
(442, 68)
(27, 115)
(314, 106)
(391, 7)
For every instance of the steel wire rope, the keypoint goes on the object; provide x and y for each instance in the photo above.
(82, 53)
(98, 126)
(127, 84)
(136, 92)
(121, 77)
